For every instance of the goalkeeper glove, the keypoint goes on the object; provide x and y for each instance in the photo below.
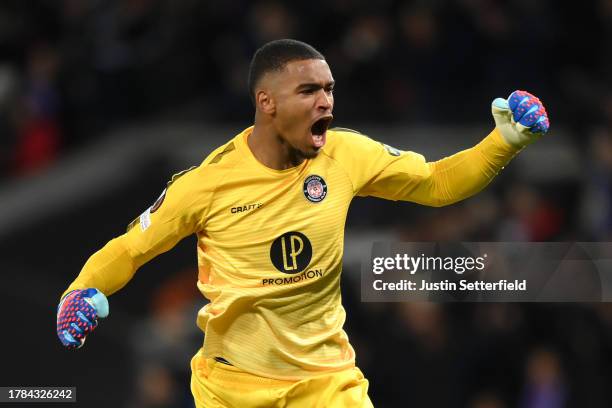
(77, 315)
(521, 119)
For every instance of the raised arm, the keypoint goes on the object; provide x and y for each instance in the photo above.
(407, 176)
(177, 213)
(445, 181)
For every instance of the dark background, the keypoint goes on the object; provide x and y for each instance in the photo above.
(101, 101)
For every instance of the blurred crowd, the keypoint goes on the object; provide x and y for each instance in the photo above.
(72, 70)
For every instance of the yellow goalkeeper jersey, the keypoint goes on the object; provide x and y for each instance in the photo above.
(270, 242)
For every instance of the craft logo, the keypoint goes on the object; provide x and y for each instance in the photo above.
(315, 188)
(245, 208)
(291, 252)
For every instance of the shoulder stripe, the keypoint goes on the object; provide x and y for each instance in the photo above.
(178, 175)
(225, 151)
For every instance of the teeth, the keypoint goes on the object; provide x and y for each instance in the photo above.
(318, 140)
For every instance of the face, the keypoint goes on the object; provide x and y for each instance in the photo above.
(303, 100)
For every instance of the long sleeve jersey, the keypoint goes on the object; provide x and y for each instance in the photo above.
(270, 242)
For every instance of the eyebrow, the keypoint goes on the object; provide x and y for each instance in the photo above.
(315, 85)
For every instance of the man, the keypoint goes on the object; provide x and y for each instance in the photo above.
(269, 208)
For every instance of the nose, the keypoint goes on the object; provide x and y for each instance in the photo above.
(325, 101)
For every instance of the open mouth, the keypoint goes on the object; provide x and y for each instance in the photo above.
(319, 129)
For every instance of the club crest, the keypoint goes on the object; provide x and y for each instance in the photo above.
(315, 188)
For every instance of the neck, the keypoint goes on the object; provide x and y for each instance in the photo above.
(271, 150)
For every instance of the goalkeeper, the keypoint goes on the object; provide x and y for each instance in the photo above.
(268, 209)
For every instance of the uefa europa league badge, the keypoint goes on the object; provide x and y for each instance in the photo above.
(315, 188)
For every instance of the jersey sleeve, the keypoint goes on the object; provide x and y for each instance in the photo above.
(381, 171)
(178, 212)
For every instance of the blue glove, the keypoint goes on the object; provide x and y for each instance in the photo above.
(77, 315)
(521, 119)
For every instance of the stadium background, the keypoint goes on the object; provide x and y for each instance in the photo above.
(101, 101)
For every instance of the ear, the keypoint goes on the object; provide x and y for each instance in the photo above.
(265, 102)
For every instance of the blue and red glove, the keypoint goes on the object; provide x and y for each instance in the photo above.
(77, 315)
(521, 119)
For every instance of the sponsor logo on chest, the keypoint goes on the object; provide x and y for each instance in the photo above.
(291, 254)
